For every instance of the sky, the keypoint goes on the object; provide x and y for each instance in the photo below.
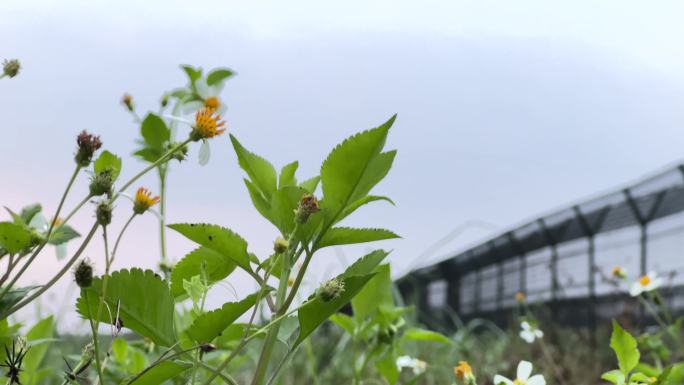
(505, 110)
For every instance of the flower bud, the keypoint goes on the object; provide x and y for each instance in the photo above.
(127, 101)
(87, 145)
(280, 245)
(386, 335)
(103, 213)
(11, 67)
(166, 267)
(101, 183)
(181, 154)
(83, 274)
(164, 100)
(330, 290)
(619, 272)
(307, 205)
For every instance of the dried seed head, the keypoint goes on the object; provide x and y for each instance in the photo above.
(307, 205)
(11, 67)
(83, 274)
(87, 145)
(280, 245)
(330, 290)
(103, 213)
(101, 183)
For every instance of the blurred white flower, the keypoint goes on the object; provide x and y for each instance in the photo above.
(522, 376)
(530, 333)
(646, 284)
(417, 365)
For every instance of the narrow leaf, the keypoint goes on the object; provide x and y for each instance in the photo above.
(348, 235)
(259, 170)
(210, 325)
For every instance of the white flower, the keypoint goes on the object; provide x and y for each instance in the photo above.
(417, 365)
(530, 333)
(523, 376)
(645, 284)
(210, 98)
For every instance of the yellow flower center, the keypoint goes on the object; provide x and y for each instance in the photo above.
(208, 124)
(144, 200)
(518, 382)
(645, 280)
(462, 370)
(56, 222)
(212, 102)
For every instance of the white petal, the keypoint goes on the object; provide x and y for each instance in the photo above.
(527, 336)
(636, 289)
(39, 222)
(404, 362)
(204, 153)
(524, 370)
(216, 89)
(202, 88)
(130, 198)
(499, 379)
(221, 110)
(525, 325)
(179, 119)
(539, 333)
(537, 379)
(655, 284)
(156, 214)
(61, 251)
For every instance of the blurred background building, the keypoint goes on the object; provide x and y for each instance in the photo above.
(565, 258)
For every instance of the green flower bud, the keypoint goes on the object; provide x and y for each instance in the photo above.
(83, 274)
(101, 183)
(127, 101)
(330, 290)
(103, 213)
(280, 245)
(11, 67)
(181, 154)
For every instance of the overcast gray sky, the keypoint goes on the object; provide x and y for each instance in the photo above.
(506, 109)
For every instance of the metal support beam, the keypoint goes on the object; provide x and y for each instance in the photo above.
(554, 258)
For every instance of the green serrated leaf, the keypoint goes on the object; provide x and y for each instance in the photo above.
(418, 334)
(283, 205)
(27, 213)
(63, 234)
(216, 265)
(287, 175)
(259, 170)
(146, 303)
(353, 168)
(155, 132)
(376, 294)
(218, 75)
(148, 154)
(217, 238)
(108, 161)
(260, 203)
(310, 184)
(42, 330)
(13, 237)
(348, 235)
(210, 325)
(164, 371)
(625, 347)
(193, 74)
(360, 202)
(315, 311)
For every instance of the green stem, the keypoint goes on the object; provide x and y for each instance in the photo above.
(96, 343)
(162, 212)
(75, 209)
(118, 240)
(159, 161)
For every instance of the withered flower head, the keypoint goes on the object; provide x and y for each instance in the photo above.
(87, 145)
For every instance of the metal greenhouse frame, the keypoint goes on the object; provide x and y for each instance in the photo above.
(561, 258)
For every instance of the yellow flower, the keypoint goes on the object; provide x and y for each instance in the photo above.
(520, 297)
(463, 372)
(208, 124)
(144, 200)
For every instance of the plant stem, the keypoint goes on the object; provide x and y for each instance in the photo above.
(118, 240)
(75, 209)
(159, 161)
(96, 343)
(162, 212)
(54, 279)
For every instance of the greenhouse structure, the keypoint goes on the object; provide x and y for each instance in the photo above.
(563, 259)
